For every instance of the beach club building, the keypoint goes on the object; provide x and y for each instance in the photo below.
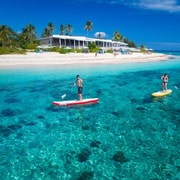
(80, 42)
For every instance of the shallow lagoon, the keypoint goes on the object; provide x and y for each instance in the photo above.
(127, 135)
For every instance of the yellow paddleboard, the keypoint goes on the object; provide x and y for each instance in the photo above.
(162, 93)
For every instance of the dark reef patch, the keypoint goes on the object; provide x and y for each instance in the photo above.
(85, 127)
(31, 124)
(6, 131)
(40, 117)
(118, 113)
(83, 155)
(10, 112)
(95, 143)
(12, 100)
(119, 157)
(140, 108)
(86, 175)
(147, 100)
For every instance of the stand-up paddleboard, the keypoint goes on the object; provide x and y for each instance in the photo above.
(162, 93)
(75, 102)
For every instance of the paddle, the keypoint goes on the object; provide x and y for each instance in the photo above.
(63, 96)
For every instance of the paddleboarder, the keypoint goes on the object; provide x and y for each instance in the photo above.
(79, 82)
(164, 79)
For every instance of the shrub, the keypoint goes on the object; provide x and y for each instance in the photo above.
(7, 50)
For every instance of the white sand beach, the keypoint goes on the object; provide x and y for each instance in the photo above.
(52, 58)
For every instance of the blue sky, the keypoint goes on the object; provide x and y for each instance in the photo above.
(153, 23)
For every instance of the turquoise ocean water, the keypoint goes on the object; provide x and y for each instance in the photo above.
(128, 135)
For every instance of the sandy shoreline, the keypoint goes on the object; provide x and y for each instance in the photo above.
(51, 58)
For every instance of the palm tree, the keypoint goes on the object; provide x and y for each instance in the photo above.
(68, 29)
(51, 27)
(29, 33)
(46, 32)
(117, 36)
(28, 37)
(62, 29)
(122, 38)
(88, 26)
(7, 35)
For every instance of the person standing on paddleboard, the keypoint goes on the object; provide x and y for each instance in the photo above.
(164, 79)
(79, 82)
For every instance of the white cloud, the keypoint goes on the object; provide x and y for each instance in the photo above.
(170, 6)
(165, 5)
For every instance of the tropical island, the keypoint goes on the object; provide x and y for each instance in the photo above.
(12, 42)
(26, 49)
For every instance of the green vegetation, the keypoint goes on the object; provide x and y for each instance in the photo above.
(64, 50)
(6, 50)
(143, 49)
(93, 48)
(66, 29)
(109, 51)
(88, 26)
(118, 37)
(13, 42)
(48, 31)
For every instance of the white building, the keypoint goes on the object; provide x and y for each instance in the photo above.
(80, 42)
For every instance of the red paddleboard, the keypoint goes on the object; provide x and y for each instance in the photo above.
(75, 102)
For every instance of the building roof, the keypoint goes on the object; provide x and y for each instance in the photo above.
(83, 38)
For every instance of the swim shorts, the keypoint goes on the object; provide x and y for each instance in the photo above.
(80, 90)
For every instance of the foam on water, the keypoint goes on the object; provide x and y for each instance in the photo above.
(127, 135)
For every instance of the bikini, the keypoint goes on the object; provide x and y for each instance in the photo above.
(165, 80)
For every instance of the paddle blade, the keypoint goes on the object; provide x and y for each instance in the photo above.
(63, 96)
